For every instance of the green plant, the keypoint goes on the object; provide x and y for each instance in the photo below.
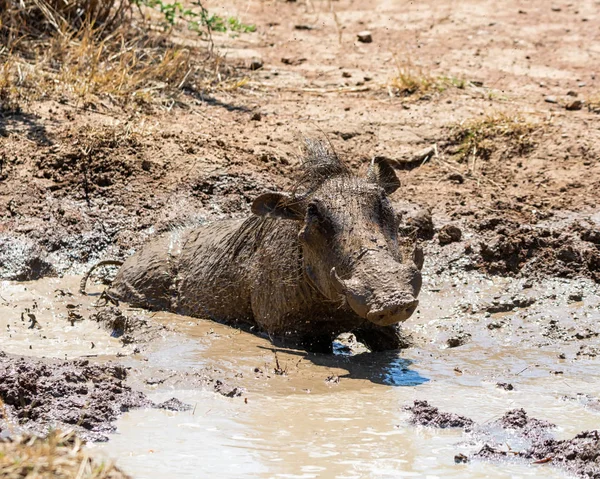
(196, 17)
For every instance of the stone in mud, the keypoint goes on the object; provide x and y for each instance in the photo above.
(449, 234)
(505, 386)
(423, 414)
(306, 267)
(458, 340)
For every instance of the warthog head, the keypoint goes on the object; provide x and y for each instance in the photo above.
(349, 236)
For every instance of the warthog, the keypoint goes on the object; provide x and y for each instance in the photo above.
(307, 266)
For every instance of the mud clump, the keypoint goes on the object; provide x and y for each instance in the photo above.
(449, 234)
(509, 248)
(42, 394)
(174, 404)
(579, 455)
(416, 220)
(423, 414)
(518, 420)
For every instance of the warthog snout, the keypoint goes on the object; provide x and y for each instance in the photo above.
(380, 299)
(393, 311)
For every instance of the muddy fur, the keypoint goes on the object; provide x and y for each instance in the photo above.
(306, 267)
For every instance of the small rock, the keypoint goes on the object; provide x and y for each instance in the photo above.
(346, 74)
(461, 458)
(505, 386)
(292, 61)
(458, 340)
(575, 297)
(449, 234)
(303, 27)
(556, 9)
(581, 85)
(364, 36)
(457, 178)
(550, 99)
(256, 65)
(571, 93)
(257, 116)
(574, 105)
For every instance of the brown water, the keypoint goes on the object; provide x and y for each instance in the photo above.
(299, 424)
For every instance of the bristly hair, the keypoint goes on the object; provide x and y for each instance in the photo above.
(319, 163)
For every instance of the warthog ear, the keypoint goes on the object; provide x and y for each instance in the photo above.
(278, 205)
(382, 173)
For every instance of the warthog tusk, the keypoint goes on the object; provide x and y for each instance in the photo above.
(338, 283)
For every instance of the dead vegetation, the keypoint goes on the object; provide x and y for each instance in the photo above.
(411, 80)
(479, 138)
(59, 455)
(100, 53)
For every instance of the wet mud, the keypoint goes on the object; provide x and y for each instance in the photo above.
(579, 455)
(40, 395)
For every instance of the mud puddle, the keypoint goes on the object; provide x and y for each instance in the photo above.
(49, 317)
(500, 344)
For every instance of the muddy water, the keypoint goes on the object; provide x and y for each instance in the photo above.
(305, 416)
(60, 328)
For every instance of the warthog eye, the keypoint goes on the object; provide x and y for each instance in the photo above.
(317, 214)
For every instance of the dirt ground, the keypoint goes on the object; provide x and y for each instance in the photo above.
(490, 111)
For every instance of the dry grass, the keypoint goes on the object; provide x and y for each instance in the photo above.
(96, 53)
(60, 455)
(479, 138)
(33, 18)
(411, 80)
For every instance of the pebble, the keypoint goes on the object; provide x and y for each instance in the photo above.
(365, 36)
(256, 64)
(574, 105)
(550, 99)
(457, 178)
(571, 93)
